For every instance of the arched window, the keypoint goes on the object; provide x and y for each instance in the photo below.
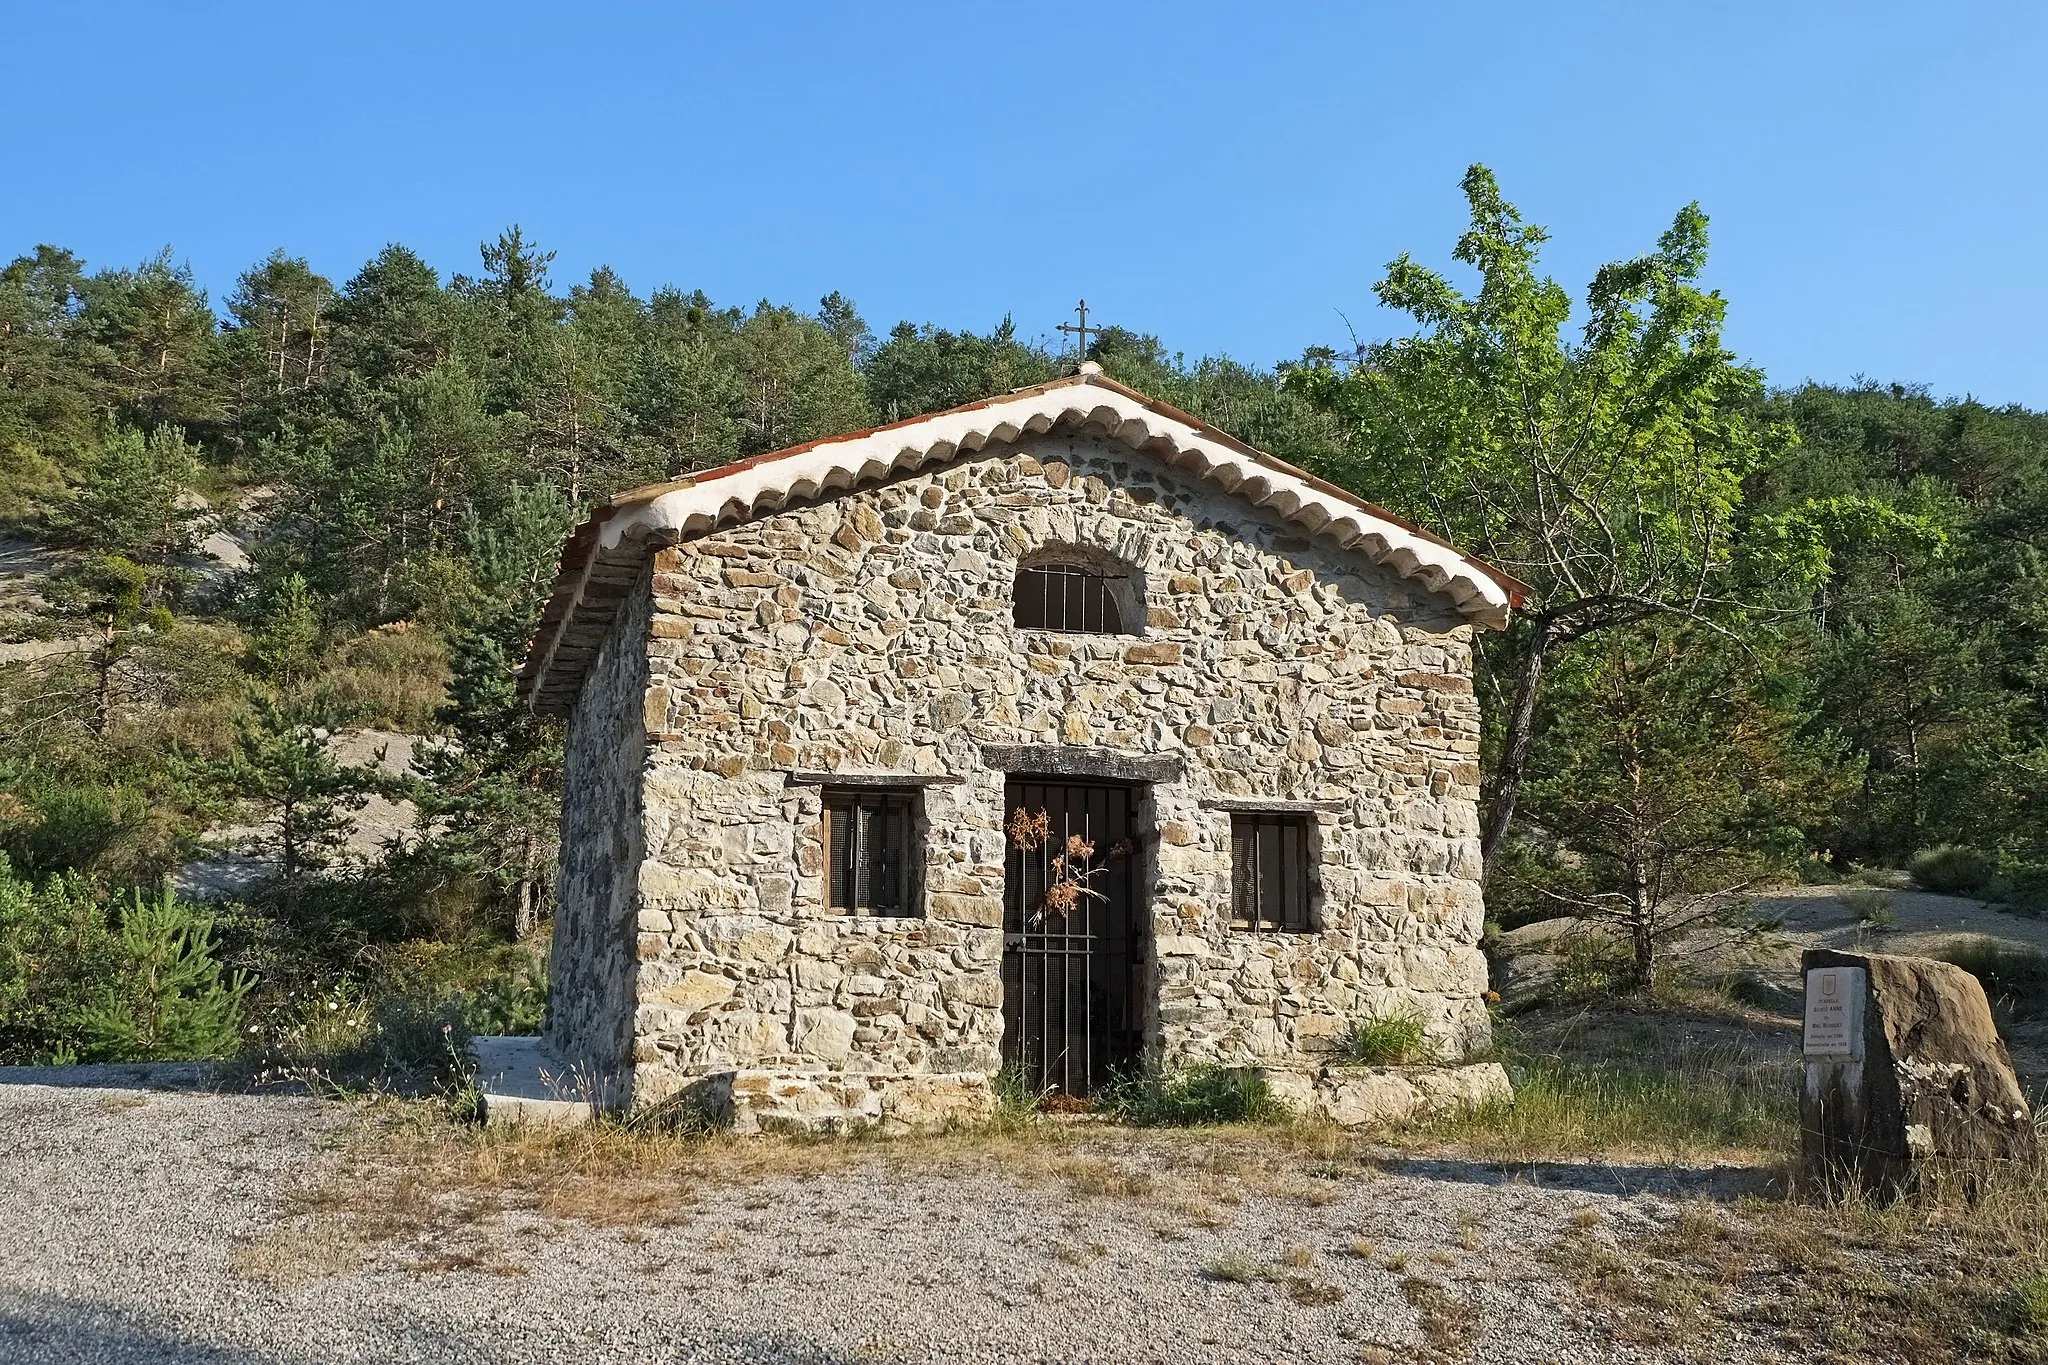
(1070, 597)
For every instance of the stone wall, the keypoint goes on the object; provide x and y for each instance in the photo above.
(591, 968)
(870, 633)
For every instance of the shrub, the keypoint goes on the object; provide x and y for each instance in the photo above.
(56, 955)
(2014, 977)
(85, 980)
(2021, 886)
(1870, 906)
(169, 997)
(1593, 963)
(1951, 869)
(1818, 871)
(1387, 1040)
(71, 825)
(1196, 1095)
(511, 1002)
(395, 676)
(402, 1018)
(2027, 1305)
(345, 1038)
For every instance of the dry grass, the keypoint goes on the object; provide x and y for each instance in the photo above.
(1694, 1079)
(293, 1252)
(1095, 1177)
(1947, 1274)
(431, 1193)
(1080, 1255)
(1313, 1293)
(1686, 1077)
(395, 676)
(1443, 1320)
(1939, 1277)
(1241, 1269)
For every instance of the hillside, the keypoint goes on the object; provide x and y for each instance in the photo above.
(234, 540)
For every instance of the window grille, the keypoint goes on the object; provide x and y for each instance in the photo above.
(869, 840)
(1065, 597)
(1269, 873)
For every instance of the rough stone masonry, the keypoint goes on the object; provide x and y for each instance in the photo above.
(867, 635)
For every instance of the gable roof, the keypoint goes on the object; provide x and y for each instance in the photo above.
(602, 558)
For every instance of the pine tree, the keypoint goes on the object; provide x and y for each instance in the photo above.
(131, 499)
(1674, 771)
(111, 593)
(170, 998)
(282, 763)
(282, 644)
(487, 798)
(152, 337)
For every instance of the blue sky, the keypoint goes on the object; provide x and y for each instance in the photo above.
(1230, 177)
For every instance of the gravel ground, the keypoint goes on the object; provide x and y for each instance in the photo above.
(140, 1225)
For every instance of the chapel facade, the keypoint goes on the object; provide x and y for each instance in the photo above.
(1058, 733)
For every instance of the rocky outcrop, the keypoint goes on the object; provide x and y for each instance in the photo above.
(1933, 1086)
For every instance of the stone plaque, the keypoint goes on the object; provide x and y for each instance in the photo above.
(1834, 1011)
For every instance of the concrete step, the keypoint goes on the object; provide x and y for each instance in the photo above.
(523, 1083)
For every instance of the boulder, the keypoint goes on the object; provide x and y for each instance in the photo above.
(1373, 1096)
(1929, 1087)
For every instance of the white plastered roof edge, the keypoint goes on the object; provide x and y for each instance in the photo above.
(847, 462)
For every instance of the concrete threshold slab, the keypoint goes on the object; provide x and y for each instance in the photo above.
(120, 1075)
(523, 1083)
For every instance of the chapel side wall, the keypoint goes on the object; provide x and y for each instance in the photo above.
(591, 966)
(871, 632)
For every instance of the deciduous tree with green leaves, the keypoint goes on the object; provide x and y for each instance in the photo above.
(1604, 469)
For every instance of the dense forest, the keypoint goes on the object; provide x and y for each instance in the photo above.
(1771, 633)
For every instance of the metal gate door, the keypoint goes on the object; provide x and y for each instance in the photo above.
(1070, 999)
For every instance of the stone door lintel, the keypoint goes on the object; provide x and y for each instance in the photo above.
(1073, 760)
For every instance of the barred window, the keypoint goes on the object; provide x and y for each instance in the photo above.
(869, 841)
(1269, 872)
(1065, 597)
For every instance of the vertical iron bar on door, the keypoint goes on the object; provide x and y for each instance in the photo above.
(1069, 984)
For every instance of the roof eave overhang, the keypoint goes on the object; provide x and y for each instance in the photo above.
(602, 558)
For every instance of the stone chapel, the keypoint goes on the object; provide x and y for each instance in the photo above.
(1058, 732)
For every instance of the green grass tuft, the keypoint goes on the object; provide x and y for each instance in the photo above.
(1191, 1097)
(1236, 1270)
(1387, 1040)
(1716, 1102)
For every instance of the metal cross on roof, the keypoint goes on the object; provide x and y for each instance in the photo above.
(1082, 330)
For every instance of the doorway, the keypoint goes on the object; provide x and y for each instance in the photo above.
(1070, 948)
